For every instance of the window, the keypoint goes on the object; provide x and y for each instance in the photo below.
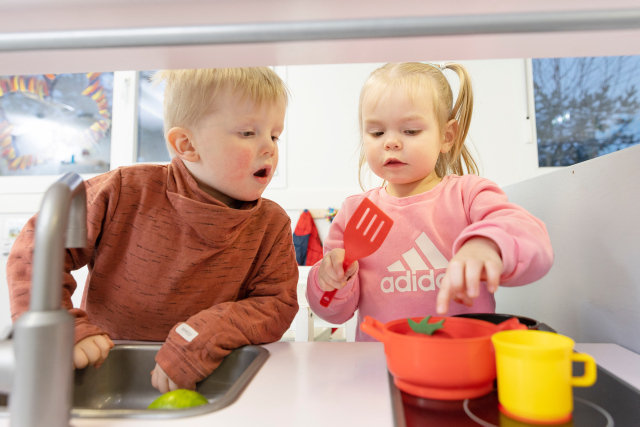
(55, 123)
(585, 107)
(151, 143)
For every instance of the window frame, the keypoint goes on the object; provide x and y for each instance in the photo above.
(531, 117)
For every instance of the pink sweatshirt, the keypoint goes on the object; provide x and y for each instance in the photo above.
(401, 278)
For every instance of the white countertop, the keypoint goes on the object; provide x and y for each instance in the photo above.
(619, 361)
(332, 384)
(301, 384)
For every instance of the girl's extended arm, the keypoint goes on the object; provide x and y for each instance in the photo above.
(523, 241)
(503, 244)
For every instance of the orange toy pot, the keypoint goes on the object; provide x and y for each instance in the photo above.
(455, 363)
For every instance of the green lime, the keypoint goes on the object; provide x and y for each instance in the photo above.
(177, 399)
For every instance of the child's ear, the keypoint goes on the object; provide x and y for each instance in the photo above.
(180, 140)
(450, 133)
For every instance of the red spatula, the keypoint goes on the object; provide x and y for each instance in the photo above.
(365, 232)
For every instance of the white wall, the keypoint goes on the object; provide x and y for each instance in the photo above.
(592, 292)
(322, 133)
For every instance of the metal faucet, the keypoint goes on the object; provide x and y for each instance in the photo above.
(36, 366)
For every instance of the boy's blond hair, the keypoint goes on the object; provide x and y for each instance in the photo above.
(189, 95)
(413, 76)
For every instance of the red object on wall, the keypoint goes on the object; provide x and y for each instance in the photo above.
(307, 240)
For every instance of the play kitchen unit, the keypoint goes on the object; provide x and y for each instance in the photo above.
(284, 383)
(454, 384)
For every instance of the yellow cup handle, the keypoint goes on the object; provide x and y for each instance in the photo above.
(589, 376)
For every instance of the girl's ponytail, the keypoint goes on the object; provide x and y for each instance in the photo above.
(452, 162)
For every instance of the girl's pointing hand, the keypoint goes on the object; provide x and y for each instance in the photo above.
(478, 259)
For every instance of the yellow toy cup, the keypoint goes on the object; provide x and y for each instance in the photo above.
(535, 379)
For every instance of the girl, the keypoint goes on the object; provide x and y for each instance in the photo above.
(455, 237)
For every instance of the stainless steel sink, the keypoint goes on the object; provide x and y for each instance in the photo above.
(121, 387)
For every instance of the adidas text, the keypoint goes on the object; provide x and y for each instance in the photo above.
(410, 282)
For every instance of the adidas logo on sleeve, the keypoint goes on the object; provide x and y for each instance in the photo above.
(416, 260)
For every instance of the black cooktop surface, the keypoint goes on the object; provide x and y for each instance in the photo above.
(609, 402)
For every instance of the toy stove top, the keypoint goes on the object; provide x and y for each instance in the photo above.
(610, 401)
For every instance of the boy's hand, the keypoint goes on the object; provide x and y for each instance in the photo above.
(478, 259)
(331, 274)
(162, 382)
(92, 350)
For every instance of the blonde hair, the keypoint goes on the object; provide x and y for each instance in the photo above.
(412, 76)
(189, 95)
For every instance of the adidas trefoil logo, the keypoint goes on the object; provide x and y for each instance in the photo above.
(415, 260)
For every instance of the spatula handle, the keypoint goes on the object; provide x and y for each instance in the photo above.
(327, 297)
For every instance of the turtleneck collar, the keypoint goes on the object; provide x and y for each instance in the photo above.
(210, 218)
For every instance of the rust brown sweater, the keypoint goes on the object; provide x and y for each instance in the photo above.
(160, 251)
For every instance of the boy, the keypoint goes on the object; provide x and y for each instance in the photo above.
(187, 253)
